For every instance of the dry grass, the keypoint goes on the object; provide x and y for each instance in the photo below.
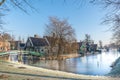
(4, 76)
(22, 67)
(16, 71)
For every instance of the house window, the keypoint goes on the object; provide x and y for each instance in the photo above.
(42, 50)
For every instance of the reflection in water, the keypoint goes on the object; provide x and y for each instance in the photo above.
(97, 64)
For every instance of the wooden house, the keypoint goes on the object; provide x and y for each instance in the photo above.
(36, 44)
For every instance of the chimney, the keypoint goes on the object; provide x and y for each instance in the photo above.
(36, 36)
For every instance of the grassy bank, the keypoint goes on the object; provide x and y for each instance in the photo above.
(17, 71)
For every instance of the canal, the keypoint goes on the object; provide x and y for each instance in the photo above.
(96, 64)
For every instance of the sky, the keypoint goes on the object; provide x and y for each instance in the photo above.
(85, 18)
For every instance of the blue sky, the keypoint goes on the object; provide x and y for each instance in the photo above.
(85, 19)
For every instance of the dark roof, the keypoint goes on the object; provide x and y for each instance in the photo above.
(16, 42)
(79, 43)
(22, 44)
(38, 41)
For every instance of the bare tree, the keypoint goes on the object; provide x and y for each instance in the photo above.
(61, 32)
(114, 22)
(6, 36)
(112, 18)
(23, 5)
(112, 5)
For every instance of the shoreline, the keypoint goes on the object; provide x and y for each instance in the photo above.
(36, 72)
(23, 71)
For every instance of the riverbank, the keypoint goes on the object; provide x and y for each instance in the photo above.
(13, 71)
(115, 69)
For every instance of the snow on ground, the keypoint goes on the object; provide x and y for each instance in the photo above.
(115, 71)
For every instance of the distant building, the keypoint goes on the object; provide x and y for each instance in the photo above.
(36, 44)
(14, 45)
(86, 47)
(52, 44)
(93, 47)
(21, 46)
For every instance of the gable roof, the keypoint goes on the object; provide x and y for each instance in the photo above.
(38, 41)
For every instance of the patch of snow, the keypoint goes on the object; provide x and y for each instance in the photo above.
(115, 71)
